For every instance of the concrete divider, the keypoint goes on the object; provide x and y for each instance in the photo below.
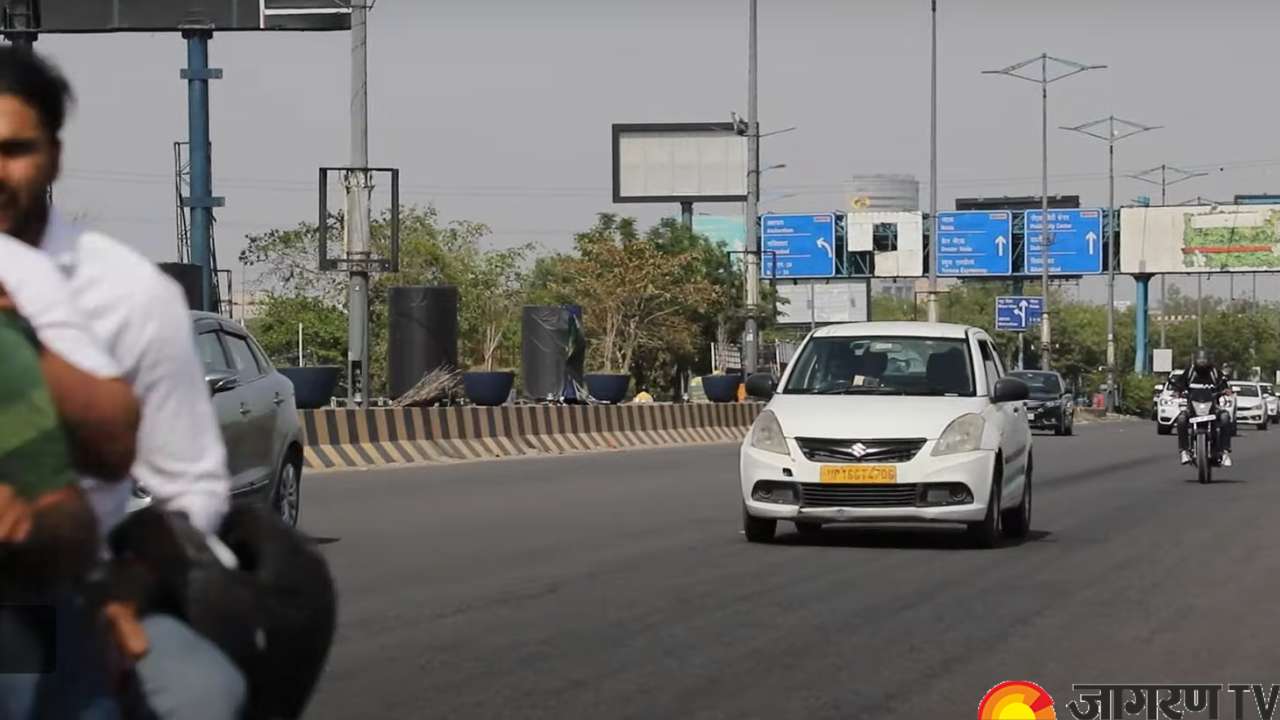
(390, 436)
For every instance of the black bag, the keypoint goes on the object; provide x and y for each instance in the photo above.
(274, 616)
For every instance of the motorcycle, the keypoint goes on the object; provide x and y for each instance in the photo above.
(1205, 432)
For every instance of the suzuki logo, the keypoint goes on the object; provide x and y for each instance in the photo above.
(859, 450)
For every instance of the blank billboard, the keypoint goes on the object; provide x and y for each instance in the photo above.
(832, 302)
(1200, 238)
(696, 162)
(106, 16)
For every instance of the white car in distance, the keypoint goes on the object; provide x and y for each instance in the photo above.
(1273, 402)
(898, 423)
(1251, 405)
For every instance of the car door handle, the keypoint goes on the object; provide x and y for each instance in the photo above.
(278, 399)
(244, 409)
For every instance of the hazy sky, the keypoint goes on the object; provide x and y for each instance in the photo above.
(499, 110)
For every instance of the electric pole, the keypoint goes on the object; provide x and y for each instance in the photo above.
(357, 214)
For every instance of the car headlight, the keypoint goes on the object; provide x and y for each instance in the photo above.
(766, 434)
(964, 434)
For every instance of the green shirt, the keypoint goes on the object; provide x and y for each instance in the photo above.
(35, 455)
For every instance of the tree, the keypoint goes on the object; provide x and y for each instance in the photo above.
(324, 329)
(431, 253)
(638, 293)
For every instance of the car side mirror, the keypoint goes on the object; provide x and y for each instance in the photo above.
(221, 381)
(761, 386)
(1010, 390)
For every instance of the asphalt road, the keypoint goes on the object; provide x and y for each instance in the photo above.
(619, 586)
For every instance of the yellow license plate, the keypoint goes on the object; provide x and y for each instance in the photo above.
(859, 474)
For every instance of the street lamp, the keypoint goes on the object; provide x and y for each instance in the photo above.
(1148, 176)
(1111, 129)
(1065, 68)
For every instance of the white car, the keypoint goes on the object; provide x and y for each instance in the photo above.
(1273, 402)
(890, 423)
(1168, 406)
(1251, 406)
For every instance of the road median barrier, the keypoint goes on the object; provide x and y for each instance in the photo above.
(352, 438)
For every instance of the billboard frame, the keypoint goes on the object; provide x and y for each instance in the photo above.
(619, 129)
(31, 17)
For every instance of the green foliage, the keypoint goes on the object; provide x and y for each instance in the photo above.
(1135, 394)
(324, 330)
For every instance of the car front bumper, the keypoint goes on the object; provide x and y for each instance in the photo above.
(1251, 415)
(1045, 416)
(889, 503)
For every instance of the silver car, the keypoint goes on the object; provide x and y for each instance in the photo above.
(258, 416)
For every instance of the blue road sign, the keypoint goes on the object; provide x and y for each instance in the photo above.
(1018, 313)
(975, 243)
(798, 245)
(1075, 246)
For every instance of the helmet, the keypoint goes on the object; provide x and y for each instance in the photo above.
(1203, 361)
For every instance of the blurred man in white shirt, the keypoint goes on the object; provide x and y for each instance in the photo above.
(141, 319)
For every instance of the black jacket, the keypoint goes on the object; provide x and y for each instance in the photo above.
(1200, 378)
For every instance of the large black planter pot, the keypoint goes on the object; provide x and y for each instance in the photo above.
(608, 388)
(313, 386)
(721, 388)
(489, 389)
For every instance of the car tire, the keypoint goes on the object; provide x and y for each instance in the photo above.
(1017, 521)
(1061, 428)
(1071, 426)
(758, 530)
(286, 497)
(986, 534)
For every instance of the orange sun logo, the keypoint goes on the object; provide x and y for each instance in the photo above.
(1016, 700)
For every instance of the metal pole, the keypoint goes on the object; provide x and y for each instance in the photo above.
(1199, 310)
(299, 344)
(1046, 232)
(813, 309)
(749, 337)
(1164, 309)
(686, 215)
(201, 201)
(1111, 268)
(933, 172)
(357, 215)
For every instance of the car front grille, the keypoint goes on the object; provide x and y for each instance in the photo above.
(858, 496)
(860, 451)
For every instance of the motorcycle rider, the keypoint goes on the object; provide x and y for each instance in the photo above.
(1202, 375)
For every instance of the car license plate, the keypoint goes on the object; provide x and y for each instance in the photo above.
(1203, 418)
(859, 474)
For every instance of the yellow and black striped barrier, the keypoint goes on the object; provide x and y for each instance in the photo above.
(341, 438)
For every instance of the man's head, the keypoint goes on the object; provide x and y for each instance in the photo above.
(1203, 361)
(33, 107)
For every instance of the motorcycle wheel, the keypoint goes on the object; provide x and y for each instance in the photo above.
(1203, 461)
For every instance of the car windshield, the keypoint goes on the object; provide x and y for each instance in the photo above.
(1040, 383)
(1246, 390)
(883, 366)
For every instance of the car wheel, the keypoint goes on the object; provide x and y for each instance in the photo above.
(809, 530)
(758, 530)
(1017, 521)
(287, 498)
(1061, 428)
(1263, 425)
(986, 534)
(1071, 425)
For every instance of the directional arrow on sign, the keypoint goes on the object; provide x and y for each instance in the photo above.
(1021, 311)
(1092, 239)
(823, 244)
(1000, 241)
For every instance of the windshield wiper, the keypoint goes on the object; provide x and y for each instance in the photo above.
(861, 390)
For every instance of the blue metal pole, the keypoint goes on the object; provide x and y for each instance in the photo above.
(201, 200)
(1141, 363)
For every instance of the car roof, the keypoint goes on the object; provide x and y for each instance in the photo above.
(899, 329)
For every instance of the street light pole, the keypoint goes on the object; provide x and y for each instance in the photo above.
(1112, 135)
(1046, 233)
(1164, 183)
(749, 337)
(933, 171)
